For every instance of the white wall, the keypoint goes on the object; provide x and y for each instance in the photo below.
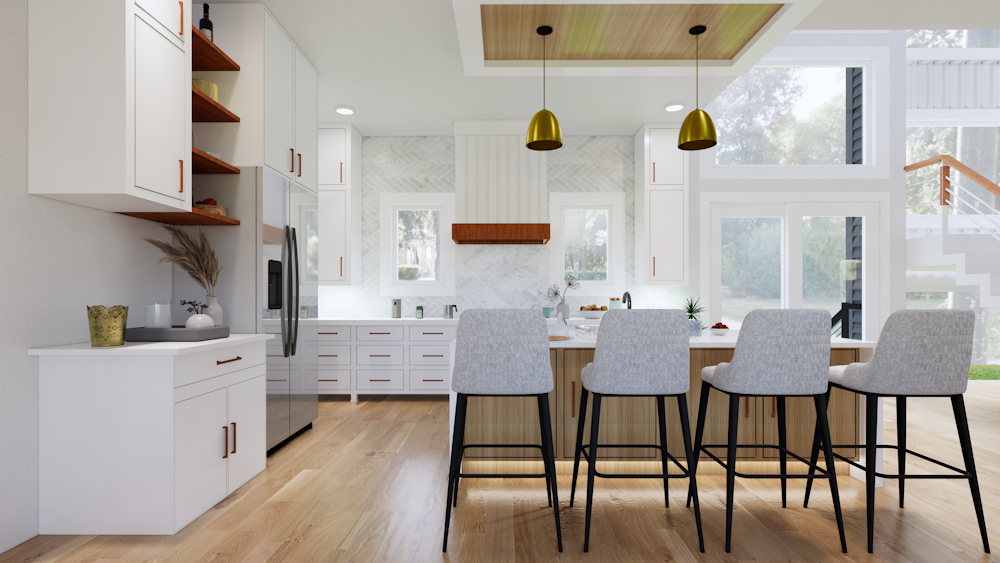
(56, 259)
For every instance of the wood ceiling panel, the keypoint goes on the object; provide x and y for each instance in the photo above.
(620, 31)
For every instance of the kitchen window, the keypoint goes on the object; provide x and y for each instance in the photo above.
(417, 253)
(588, 241)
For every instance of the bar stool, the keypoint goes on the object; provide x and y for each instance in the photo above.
(779, 353)
(640, 353)
(920, 353)
(502, 353)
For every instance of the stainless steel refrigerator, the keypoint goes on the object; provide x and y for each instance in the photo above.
(269, 284)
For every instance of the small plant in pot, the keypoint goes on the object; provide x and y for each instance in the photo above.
(694, 309)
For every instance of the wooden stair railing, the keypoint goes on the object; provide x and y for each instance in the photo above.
(947, 163)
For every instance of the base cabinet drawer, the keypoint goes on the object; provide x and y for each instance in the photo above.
(191, 368)
(380, 355)
(428, 355)
(429, 379)
(334, 355)
(380, 333)
(375, 379)
(333, 334)
(433, 333)
(334, 380)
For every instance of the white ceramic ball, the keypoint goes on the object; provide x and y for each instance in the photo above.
(199, 321)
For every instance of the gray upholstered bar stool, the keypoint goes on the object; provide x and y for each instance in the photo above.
(920, 353)
(640, 353)
(502, 353)
(779, 353)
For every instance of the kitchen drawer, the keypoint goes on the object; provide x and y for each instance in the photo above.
(380, 355)
(434, 333)
(190, 368)
(436, 379)
(278, 381)
(334, 355)
(383, 333)
(334, 380)
(334, 333)
(376, 379)
(429, 355)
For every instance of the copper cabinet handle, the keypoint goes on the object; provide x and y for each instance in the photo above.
(275, 379)
(181, 2)
(293, 161)
(341, 172)
(774, 406)
(329, 380)
(327, 355)
(225, 430)
(182, 176)
(379, 380)
(573, 400)
(341, 266)
(379, 333)
(747, 415)
(379, 355)
(654, 266)
(654, 172)
(234, 439)
(300, 165)
(218, 363)
(433, 333)
(433, 355)
(329, 333)
(433, 380)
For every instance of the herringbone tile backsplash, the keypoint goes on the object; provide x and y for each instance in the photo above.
(489, 276)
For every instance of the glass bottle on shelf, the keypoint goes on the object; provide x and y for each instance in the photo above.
(205, 25)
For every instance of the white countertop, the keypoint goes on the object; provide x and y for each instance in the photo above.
(708, 340)
(149, 348)
(389, 321)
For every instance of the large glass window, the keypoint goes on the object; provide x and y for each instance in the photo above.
(751, 266)
(586, 233)
(790, 115)
(418, 245)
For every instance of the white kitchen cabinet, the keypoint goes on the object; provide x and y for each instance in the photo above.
(340, 180)
(109, 115)
(306, 120)
(279, 99)
(333, 155)
(662, 253)
(139, 439)
(333, 221)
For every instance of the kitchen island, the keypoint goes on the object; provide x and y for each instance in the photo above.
(632, 420)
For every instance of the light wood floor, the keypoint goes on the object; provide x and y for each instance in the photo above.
(368, 484)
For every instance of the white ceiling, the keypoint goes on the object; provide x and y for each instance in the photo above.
(398, 63)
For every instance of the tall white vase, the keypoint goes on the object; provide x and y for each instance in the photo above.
(214, 310)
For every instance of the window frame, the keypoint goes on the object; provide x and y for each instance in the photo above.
(390, 286)
(614, 202)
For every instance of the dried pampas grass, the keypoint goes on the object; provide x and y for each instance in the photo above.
(197, 259)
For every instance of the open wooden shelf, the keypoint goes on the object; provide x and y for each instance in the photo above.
(204, 163)
(194, 217)
(205, 55)
(207, 110)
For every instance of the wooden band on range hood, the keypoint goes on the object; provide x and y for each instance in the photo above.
(500, 233)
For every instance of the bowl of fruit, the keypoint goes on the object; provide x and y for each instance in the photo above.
(719, 329)
(593, 311)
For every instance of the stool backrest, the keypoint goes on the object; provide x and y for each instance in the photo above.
(502, 352)
(923, 352)
(643, 352)
(782, 352)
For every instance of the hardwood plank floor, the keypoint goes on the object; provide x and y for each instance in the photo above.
(367, 483)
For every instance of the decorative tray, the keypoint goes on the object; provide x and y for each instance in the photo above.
(176, 334)
(554, 337)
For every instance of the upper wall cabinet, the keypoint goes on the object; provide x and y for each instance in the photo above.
(274, 93)
(339, 205)
(661, 207)
(333, 155)
(109, 113)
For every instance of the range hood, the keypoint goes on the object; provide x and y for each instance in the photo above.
(501, 195)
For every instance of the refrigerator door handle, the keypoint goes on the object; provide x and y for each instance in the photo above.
(286, 339)
(295, 287)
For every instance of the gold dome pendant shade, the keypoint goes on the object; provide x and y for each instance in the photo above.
(697, 131)
(544, 133)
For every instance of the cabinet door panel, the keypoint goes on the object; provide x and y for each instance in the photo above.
(279, 99)
(160, 95)
(666, 161)
(332, 156)
(168, 13)
(666, 222)
(201, 431)
(247, 443)
(333, 235)
(305, 122)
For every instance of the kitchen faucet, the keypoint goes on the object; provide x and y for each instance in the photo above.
(627, 299)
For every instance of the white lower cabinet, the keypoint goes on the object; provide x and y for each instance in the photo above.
(200, 464)
(248, 451)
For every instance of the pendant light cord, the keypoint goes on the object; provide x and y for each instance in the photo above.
(543, 72)
(696, 60)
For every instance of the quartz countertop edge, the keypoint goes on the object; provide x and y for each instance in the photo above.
(149, 348)
(712, 341)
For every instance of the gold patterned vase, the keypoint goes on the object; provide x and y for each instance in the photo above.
(107, 325)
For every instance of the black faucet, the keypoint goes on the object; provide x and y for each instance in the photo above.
(627, 299)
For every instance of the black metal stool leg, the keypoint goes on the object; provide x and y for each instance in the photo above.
(901, 434)
(682, 407)
(582, 418)
(871, 438)
(454, 469)
(548, 455)
(814, 456)
(595, 423)
(824, 424)
(699, 434)
(661, 412)
(782, 446)
(734, 413)
(463, 403)
(962, 421)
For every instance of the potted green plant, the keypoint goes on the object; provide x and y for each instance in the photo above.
(694, 309)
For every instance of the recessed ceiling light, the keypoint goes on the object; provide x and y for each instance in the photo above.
(674, 106)
(344, 110)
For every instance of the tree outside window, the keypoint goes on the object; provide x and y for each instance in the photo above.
(585, 240)
(418, 245)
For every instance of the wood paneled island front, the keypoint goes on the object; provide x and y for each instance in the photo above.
(632, 420)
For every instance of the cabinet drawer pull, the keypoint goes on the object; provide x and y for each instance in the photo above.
(218, 363)
(329, 380)
(293, 161)
(329, 333)
(433, 333)
(747, 415)
(275, 380)
(300, 165)
(654, 266)
(225, 430)
(379, 380)
(379, 333)
(327, 355)
(654, 172)
(342, 172)
(379, 355)
(180, 191)
(573, 400)
(433, 355)
(341, 266)
(434, 380)
(182, 16)
(234, 439)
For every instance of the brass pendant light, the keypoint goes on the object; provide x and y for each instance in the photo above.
(698, 131)
(544, 133)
